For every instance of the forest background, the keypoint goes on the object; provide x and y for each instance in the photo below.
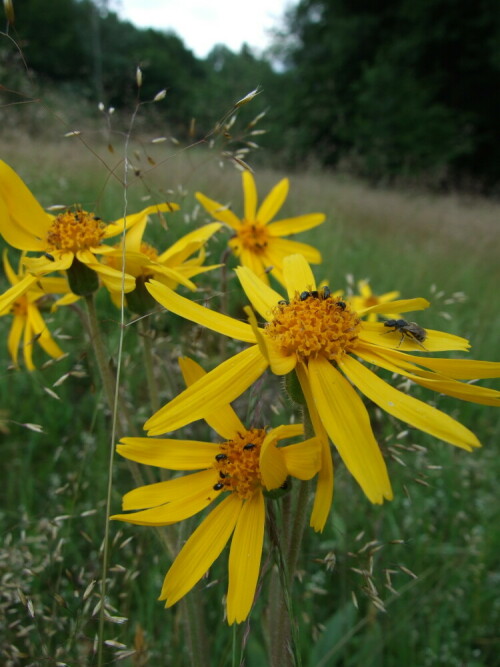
(393, 90)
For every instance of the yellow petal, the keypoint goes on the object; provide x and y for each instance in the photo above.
(12, 277)
(113, 279)
(170, 454)
(273, 202)
(219, 211)
(14, 338)
(189, 241)
(14, 292)
(303, 460)
(279, 248)
(347, 423)
(272, 463)
(294, 225)
(28, 346)
(177, 510)
(176, 277)
(244, 559)
(436, 341)
(285, 431)
(224, 421)
(61, 260)
(165, 492)
(201, 550)
(401, 306)
(396, 363)
(51, 285)
(23, 222)
(40, 329)
(405, 407)
(250, 195)
(298, 275)
(199, 314)
(117, 227)
(219, 387)
(459, 369)
(280, 363)
(249, 259)
(324, 487)
(262, 297)
(133, 237)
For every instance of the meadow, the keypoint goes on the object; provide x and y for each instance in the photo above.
(412, 582)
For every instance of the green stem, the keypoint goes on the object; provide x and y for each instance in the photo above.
(100, 353)
(284, 635)
(110, 391)
(197, 646)
(147, 349)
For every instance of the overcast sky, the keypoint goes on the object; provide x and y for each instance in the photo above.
(203, 23)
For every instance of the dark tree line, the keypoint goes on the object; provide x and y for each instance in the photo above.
(393, 89)
(397, 87)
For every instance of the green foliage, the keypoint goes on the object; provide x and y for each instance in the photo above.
(397, 88)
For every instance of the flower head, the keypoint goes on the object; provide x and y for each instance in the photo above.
(27, 322)
(258, 242)
(70, 241)
(321, 337)
(171, 267)
(245, 464)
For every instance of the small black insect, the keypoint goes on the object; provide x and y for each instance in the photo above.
(218, 486)
(341, 304)
(282, 302)
(314, 294)
(249, 446)
(220, 457)
(410, 329)
(326, 292)
(223, 475)
(49, 256)
(304, 295)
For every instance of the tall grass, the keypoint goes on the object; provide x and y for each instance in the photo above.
(431, 556)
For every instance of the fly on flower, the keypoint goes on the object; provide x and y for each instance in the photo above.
(233, 476)
(258, 243)
(70, 241)
(323, 342)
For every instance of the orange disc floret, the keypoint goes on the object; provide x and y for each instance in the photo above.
(253, 236)
(312, 325)
(75, 230)
(238, 463)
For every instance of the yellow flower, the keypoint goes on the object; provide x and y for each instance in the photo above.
(67, 242)
(366, 298)
(321, 337)
(245, 464)
(258, 242)
(171, 267)
(27, 322)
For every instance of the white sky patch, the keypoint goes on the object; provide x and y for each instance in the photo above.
(201, 24)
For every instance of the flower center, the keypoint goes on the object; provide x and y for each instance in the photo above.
(238, 463)
(314, 323)
(149, 251)
(75, 230)
(20, 306)
(152, 254)
(253, 236)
